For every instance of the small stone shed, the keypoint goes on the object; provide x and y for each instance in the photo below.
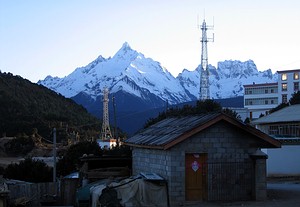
(209, 157)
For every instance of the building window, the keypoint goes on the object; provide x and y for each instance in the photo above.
(284, 87)
(284, 130)
(284, 98)
(296, 76)
(272, 90)
(296, 86)
(284, 76)
(266, 91)
(260, 101)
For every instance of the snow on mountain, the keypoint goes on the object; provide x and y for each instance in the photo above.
(131, 72)
(227, 79)
(128, 70)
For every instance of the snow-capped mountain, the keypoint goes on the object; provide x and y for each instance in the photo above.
(227, 79)
(139, 83)
(128, 71)
(131, 72)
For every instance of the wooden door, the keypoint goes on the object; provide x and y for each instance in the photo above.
(196, 176)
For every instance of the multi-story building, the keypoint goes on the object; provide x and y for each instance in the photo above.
(283, 125)
(260, 98)
(288, 83)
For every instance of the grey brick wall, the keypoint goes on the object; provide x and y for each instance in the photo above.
(221, 142)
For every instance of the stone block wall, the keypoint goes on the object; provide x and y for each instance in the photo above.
(221, 142)
(150, 160)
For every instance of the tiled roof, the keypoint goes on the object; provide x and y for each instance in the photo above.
(173, 130)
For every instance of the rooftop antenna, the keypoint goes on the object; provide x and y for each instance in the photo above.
(204, 76)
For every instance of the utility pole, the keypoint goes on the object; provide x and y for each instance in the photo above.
(115, 120)
(54, 158)
(204, 73)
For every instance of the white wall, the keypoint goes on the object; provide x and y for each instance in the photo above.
(283, 161)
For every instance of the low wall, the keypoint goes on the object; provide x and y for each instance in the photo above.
(283, 161)
(33, 192)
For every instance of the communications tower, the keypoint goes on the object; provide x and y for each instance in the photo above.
(204, 74)
(105, 132)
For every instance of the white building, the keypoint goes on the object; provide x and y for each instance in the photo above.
(283, 125)
(107, 144)
(288, 83)
(260, 98)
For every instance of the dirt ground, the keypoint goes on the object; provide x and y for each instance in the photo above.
(280, 193)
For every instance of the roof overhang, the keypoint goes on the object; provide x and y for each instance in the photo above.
(272, 143)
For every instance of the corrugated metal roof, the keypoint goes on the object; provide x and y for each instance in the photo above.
(287, 114)
(169, 129)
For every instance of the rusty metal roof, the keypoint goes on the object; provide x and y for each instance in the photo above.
(173, 130)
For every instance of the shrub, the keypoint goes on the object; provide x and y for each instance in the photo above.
(71, 160)
(29, 170)
(19, 146)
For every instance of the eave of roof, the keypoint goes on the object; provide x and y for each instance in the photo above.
(186, 134)
(288, 71)
(261, 84)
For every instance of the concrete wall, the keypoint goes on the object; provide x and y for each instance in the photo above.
(284, 161)
(221, 142)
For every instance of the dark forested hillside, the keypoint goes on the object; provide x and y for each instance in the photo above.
(26, 107)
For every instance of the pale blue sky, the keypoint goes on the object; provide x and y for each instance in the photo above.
(53, 37)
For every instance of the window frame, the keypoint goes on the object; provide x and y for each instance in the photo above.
(284, 86)
(284, 98)
(284, 76)
(296, 86)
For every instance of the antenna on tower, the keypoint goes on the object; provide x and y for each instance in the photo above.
(204, 76)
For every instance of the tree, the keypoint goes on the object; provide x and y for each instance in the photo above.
(247, 120)
(232, 113)
(29, 170)
(71, 159)
(201, 107)
(295, 99)
(280, 106)
(19, 146)
(207, 106)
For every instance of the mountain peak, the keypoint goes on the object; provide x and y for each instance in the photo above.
(126, 52)
(125, 46)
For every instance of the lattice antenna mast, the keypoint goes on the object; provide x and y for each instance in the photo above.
(204, 76)
(105, 133)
